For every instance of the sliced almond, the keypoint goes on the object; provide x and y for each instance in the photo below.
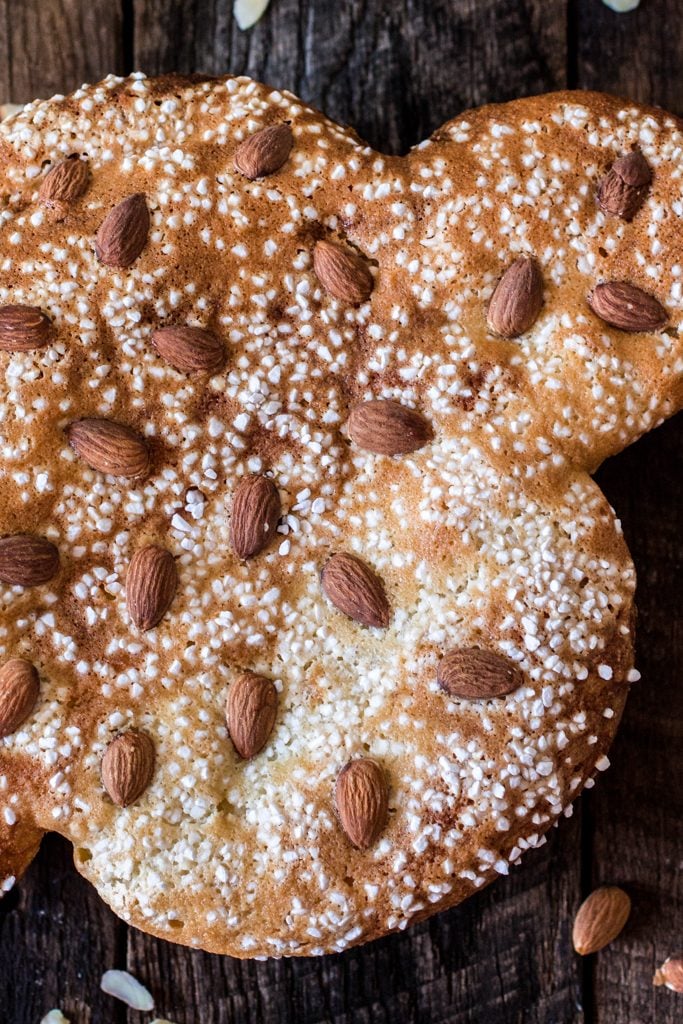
(362, 799)
(264, 152)
(190, 349)
(517, 300)
(27, 560)
(386, 427)
(627, 307)
(122, 985)
(19, 688)
(123, 233)
(356, 590)
(63, 184)
(623, 189)
(600, 918)
(342, 273)
(670, 973)
(128, 766)
(151, 584)
(473, 673)
(23, 328)
(110, 447)
(250, 713)
(256, 510)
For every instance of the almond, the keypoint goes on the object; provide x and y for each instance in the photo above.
(27, 560)
(190, 349)
(151, 583)
(264, 152)
(250, 713)
(622, 305)
(23, 328)
(600, 918)
(362, 799)
(476, 674)
(63, 184)
(109, 447)
(19, 687)
(670, 973)
(518, 298)
(128, 766)
(356, 590)
(123, 233)
(342, 273)
(256, 510)
(387, 427)
(623, 189)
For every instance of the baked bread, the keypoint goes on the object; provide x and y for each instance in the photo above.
(313, 620)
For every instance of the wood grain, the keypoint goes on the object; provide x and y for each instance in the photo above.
(395, 70)
(55, 46)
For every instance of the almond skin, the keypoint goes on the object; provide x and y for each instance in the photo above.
(27, 560)
(475, 674)
(600, 918)
(342, 273)
(123, 233)
(110, 447)
(362, 800)
(250, 712)
(63, 184)
(627, 307)
(23, 328)
(517, 300)
(190, 349)
(670, 973)
(386, 427)
(264, 152)
(151, 584)
(256, 510)
(623, 190)
(356, 590)
(19, 688)
(128, 766)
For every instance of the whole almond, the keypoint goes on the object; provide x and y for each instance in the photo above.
(623, 189)
(109, 447)
(190, 349)
(23, 328)
(123, 233)
(670, 973)
(27, 560)
(256, 510)
(473, 673)
(19, 688)
(362, 800)
(627, 307)
(600, 918)
(386, 427)
(342, 273)
(250, 712)
(264, 152)
(128, 766)
(63, 184)
(151, 584)
(356, 590)
(518, 298)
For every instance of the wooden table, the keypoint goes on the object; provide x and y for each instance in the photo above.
(395, 69)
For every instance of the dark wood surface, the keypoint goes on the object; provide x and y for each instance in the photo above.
(395, 69)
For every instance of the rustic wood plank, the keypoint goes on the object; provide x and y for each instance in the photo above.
(395, 69)
(46, 48)
(637, 810)
(636, 54)
(56, 940)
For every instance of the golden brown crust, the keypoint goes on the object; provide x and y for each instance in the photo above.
(490, 534)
